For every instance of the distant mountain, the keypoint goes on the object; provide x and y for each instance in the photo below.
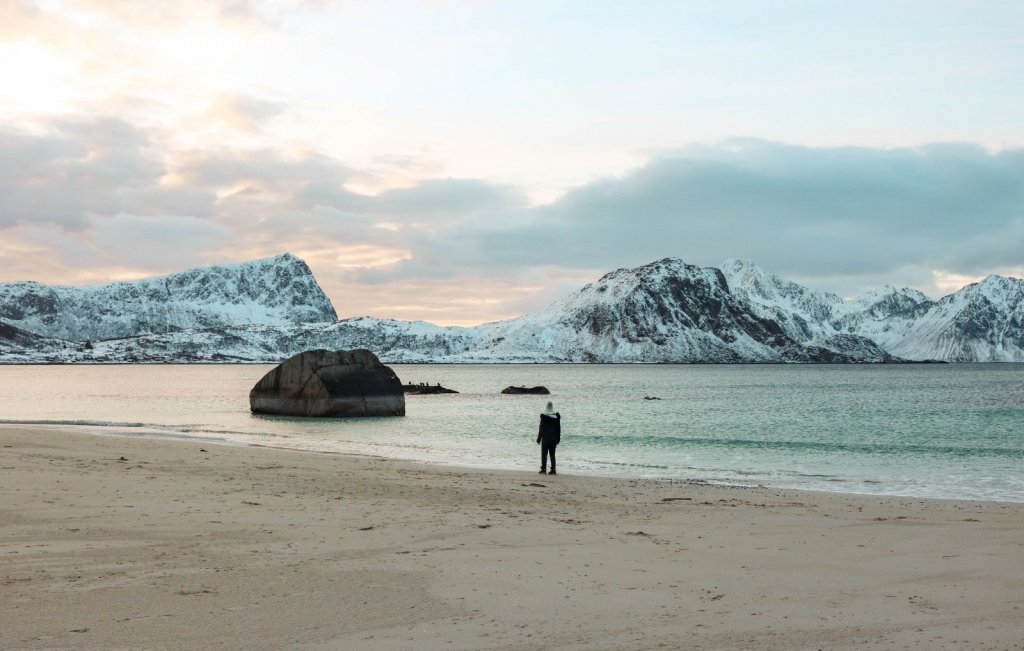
(981, 322)
(274, 291)
(802, 313)
(665, 311)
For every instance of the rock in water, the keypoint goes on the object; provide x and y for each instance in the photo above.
(343, 383)
(530, 390)
(426, 389)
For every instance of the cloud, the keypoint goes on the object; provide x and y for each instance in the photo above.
(445, 199)
(764, 197)
(845, 219)
(266, 168)
(829, 213)
(82, 167)
(245, 113)
(161, 16)
(241, 11)
(19, 18)
(165, 242)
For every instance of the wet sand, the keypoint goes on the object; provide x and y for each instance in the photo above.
(117, 543)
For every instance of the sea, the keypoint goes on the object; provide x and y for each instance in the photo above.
(931, 430)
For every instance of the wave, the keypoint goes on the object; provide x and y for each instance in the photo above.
(147, 429)
(622, 464)
(786, 445)
(88, 423)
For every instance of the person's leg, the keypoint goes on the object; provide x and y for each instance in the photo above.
(543, 456)
(551, 453)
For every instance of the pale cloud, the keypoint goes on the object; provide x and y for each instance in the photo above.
(163, 16)
(948, 283)
(78, 168)
(470, 301)
(159, 64)
(242, 112)
(49, 254)
(164, 242)
(268, 169)
(24, 20)
(444, 199)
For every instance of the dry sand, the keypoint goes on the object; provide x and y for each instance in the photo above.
(132, 543)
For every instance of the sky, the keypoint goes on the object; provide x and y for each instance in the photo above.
(463, 161)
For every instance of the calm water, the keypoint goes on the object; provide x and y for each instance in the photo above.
(941, 431)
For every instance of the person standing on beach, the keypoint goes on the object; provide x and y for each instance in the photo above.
(548, 436)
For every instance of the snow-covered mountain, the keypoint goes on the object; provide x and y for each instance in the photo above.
(983, 322)
(665, 311)
(802, 313)
(273, 291)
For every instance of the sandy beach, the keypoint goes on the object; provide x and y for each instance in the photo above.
(130, 543)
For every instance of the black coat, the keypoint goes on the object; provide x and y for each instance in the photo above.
(550, 429)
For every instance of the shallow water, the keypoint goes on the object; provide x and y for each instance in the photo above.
(952, 431)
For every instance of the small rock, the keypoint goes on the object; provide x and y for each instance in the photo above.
(425, 389)
(539, 390)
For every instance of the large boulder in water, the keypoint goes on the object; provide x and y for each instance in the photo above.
(343, 383)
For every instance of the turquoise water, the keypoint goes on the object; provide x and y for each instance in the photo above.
(952, 431)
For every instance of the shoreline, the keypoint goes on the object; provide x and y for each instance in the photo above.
(151, 431)
(157, 432)
(133, 542)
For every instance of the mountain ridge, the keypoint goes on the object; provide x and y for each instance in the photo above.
(667, 311)
(273, 291)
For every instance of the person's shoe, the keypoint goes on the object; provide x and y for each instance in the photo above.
(542, 472)
(552, 473)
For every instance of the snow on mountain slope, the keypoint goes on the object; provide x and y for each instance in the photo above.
(802, 313)
(983, 322)
(273, 291)
(882, 312)
(11, 336)
(400, 341)
(980, 323)
(392, 341)
(666, 311)
(19, 346)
